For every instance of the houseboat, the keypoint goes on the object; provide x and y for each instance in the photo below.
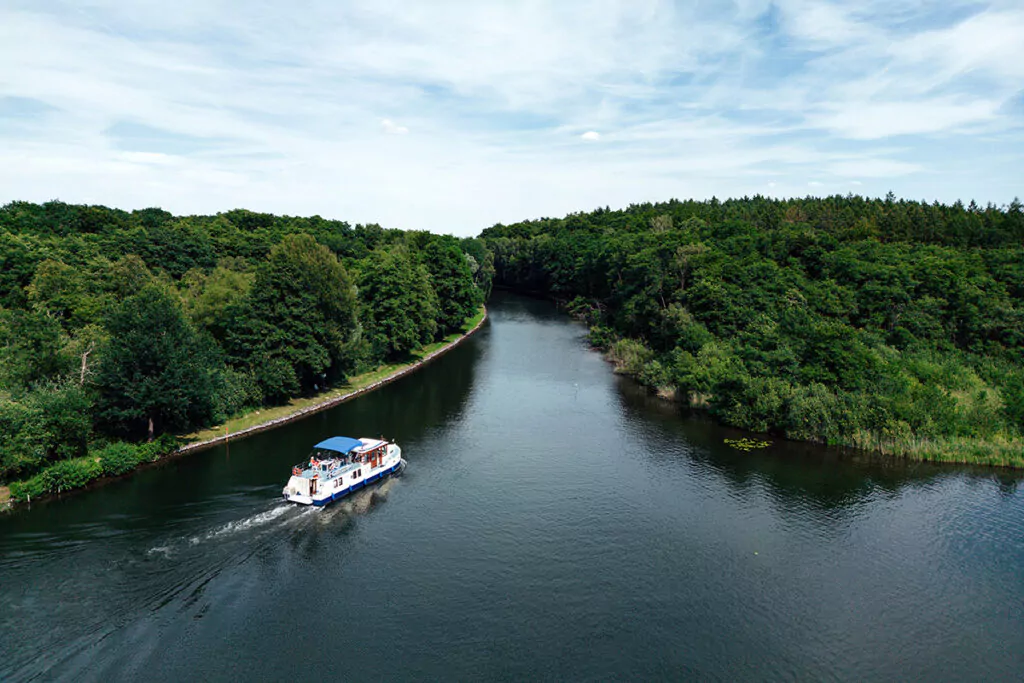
(339, 466)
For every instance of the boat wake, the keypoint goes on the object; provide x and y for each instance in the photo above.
(242, 525)
(278, 518)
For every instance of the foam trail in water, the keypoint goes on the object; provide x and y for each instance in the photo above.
(242, 524)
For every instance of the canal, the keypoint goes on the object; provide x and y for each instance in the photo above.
(554, 522)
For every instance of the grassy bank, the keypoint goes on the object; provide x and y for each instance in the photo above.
(994, 451)
(118, 459)
(265, 418)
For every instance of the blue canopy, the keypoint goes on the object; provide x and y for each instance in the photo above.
(341, 444)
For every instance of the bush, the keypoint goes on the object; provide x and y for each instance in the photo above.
(1013, 398)
(114, 459)
(601, 337)
(629, 356)
(816, 413)
(758, 404)
(70, 474)
(22, 438)
(239, 390)
(119, 458)
(654, 374)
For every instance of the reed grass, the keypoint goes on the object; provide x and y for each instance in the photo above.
(997, 451)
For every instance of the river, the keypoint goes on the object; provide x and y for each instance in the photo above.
(553, 522)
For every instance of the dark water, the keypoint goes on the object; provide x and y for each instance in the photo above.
(553, 523)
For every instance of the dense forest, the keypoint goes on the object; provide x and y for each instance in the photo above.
(892, 326)
(119, 327)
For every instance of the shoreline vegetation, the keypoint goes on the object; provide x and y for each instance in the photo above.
(120, 330)
(243, 425)
(261, 420)
(888, 326)
(1001, 452)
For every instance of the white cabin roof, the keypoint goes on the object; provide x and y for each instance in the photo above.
(368, 445)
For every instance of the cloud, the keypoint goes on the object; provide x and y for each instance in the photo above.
(203, 107)
(389, 126)
(873, 168)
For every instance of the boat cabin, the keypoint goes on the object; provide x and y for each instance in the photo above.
(340, 465)
(338, 455)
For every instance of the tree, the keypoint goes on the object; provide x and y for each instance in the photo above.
(208, 298)
(57, 289)
(156, 372)
(31, 348)
(452, 279)
(299, 326)
(399, 307)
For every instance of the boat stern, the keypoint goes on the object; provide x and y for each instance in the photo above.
(297, 491)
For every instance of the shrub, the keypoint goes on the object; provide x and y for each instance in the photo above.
(119, 458)
(1013, 399)
(239, 390)
(70, 474)
(758, 404)
(630, 356)
(22, 438)
(111, 460)
(654, 374)
(601, 337)
(816, 413)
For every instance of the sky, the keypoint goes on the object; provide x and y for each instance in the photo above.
(454, 116)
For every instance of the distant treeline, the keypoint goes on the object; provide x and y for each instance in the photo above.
(122, 326)
(895, 326)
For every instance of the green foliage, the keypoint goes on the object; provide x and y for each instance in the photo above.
(747, 444)
(629, 356)
(239, 390)
(111, 460)
(66, 421)
(50, 422)
(116, 323)
(22, 439)
(874, 323)
(31, 348)
(1013, 393)
(452, 278)
(119, 457)
(299, 322)
(399, 306)
(157, 372)
(209, 298)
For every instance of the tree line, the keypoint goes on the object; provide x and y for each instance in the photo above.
(890, 325)
(119, 327)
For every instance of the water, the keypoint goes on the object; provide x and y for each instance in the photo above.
(553, 523)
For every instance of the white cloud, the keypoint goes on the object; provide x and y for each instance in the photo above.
(208, 106)
(873, 168)
(873, 120)
(389, 126)
(147, 157)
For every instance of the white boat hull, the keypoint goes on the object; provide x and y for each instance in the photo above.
(351, 479)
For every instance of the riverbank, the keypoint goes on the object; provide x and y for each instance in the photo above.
(268, 418)
(93, 469)
(999, 451)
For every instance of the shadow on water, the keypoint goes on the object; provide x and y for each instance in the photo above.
(91, 564)
(823, 476)
(555, 522)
